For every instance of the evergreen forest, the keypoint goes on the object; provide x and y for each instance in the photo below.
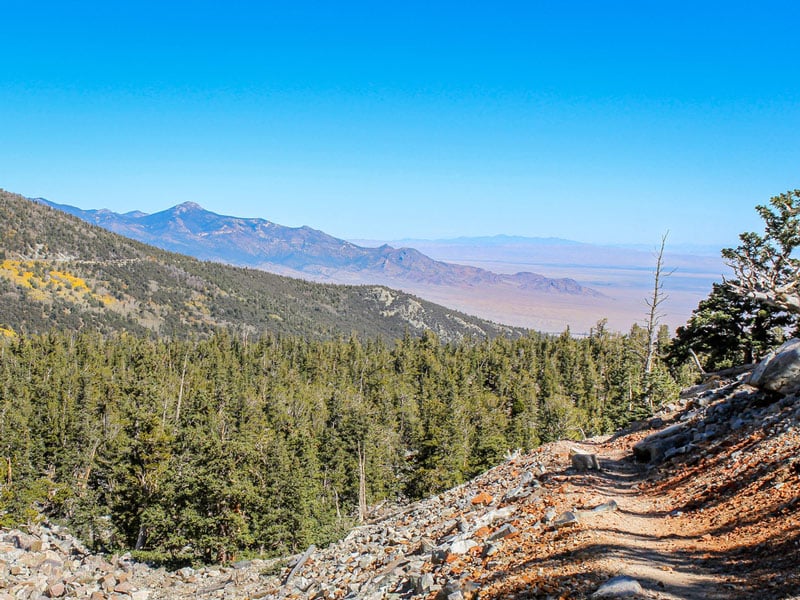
(216, 448)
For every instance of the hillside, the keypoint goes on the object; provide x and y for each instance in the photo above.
(519, 297)
(715, 518)
(58, 271)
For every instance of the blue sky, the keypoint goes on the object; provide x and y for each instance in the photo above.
(597, 121)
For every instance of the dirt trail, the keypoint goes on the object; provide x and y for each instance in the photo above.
(642, 540)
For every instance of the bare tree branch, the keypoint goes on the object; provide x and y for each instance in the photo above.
(765, 266)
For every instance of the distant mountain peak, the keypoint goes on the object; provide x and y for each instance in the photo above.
(188, 206)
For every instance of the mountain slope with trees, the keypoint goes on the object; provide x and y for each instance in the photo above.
(210, 477)
(60, 272)
(203, 449)
(218, 410)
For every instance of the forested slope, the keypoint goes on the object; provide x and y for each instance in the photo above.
(206, 449)
(59, 272)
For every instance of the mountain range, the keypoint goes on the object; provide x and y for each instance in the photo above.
(547, 284)
(303, 252)
(59, 271)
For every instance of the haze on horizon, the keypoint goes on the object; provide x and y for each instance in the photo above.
(601, 123)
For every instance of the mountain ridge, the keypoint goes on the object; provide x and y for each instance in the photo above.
(583, 283)
(305, 252)
(59, 271)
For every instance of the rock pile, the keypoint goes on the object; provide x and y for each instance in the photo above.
(711, 412)
(49, 563)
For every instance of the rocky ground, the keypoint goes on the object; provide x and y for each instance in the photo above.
(710, 510)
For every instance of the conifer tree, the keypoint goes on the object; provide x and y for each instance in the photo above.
(766, 266)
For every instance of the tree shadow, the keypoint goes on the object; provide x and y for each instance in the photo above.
(749, 476)
(749, 572)
(766, 569)
(583, 585)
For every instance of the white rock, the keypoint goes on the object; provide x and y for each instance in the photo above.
(462, 546)
(619, 587)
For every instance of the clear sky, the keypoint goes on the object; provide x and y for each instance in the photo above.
(600, 121)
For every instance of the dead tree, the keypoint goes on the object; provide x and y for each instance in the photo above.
(654, 315)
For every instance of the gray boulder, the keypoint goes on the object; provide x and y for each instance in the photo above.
(584, 461)
(654, 447)
(565, 519)
(780, 371)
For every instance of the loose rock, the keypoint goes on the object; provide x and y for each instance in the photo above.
(619, 587)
